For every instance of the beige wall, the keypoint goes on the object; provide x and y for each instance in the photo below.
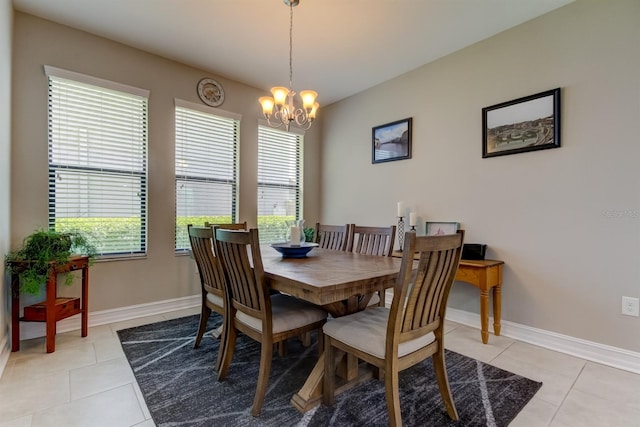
(162, 275)
(566, 221)
(6, 26)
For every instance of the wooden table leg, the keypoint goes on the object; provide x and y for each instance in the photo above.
(497, 308)
(15, 312)
(85, 301)
(484, 315)
(310, 394)
(50, 305)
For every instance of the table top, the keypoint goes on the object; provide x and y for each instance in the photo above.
(327, 276)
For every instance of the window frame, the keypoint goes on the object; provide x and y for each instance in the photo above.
(235, 185)
(57, 76)
(299, 187)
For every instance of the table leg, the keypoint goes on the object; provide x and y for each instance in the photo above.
(484, 315)
(15, 312)
(50, 305)
(497, 308)
(85, 301)
(310, 394)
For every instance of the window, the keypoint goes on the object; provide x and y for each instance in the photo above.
(206, 167)
(279, 181)
(98, 161)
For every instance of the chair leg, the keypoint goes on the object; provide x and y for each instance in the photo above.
(378, 373)
(440, 369)
(391, 386)
(320, 344)
(329, 373)
(263, 377)
(305, 338)
(230, 334)
(282, 348)
(204, 316)
(221, 348)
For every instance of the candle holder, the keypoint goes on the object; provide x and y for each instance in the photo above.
(401, 232)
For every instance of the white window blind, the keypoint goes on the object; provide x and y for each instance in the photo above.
(279, 182)
(98, 161)
(206, 169)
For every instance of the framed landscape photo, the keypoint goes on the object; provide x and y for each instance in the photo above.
(524, 124)
(391, 141)
(441, 228)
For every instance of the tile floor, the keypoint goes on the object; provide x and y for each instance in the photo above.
(87, 382)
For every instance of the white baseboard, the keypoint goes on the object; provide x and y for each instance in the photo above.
(30, 330)
(599, 353)
(589, 350)
(5, 352)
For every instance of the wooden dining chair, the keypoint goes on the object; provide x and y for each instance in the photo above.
(333, 237)
(372, 241)
(211, 281)
(396, 338)
(268, 319)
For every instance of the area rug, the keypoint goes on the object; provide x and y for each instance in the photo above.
(180, 385)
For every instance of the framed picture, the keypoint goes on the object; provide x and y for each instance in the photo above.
(391, 141)
(524, 124)
(441, 228)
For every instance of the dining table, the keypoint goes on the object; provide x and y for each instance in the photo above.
(342, 283)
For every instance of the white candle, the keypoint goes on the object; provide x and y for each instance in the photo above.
(295, 236)
(413, 219)
(400, 209)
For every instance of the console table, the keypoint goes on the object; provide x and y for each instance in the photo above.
(484, 275)
(53, 308)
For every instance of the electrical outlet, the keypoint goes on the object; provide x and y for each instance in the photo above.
(631, 306)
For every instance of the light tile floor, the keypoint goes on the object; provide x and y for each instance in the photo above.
(87, 382)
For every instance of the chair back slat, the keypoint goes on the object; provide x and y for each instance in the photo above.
(211, 276)
(331, 236)
(420, 294)
(239, 254)
(371, 240)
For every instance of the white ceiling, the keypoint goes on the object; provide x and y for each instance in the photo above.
(340, 47)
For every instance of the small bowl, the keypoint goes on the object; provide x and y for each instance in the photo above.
(294, 251)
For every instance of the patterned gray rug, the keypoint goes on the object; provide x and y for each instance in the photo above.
(180, 385)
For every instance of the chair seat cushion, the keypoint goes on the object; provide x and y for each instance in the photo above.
(287, 313)
(215, 300)
(367, 331)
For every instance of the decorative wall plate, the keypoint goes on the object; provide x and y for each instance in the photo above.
(210, 92)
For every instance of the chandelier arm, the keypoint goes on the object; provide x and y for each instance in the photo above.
(276, 124)
(301, 116)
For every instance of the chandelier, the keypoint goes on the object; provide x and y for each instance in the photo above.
(285, 111)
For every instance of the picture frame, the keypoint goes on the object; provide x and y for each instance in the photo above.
(391, 141)
(440, 228)
(525, 124)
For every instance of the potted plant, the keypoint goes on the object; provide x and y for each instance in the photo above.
(308, 234)
(41, 250)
